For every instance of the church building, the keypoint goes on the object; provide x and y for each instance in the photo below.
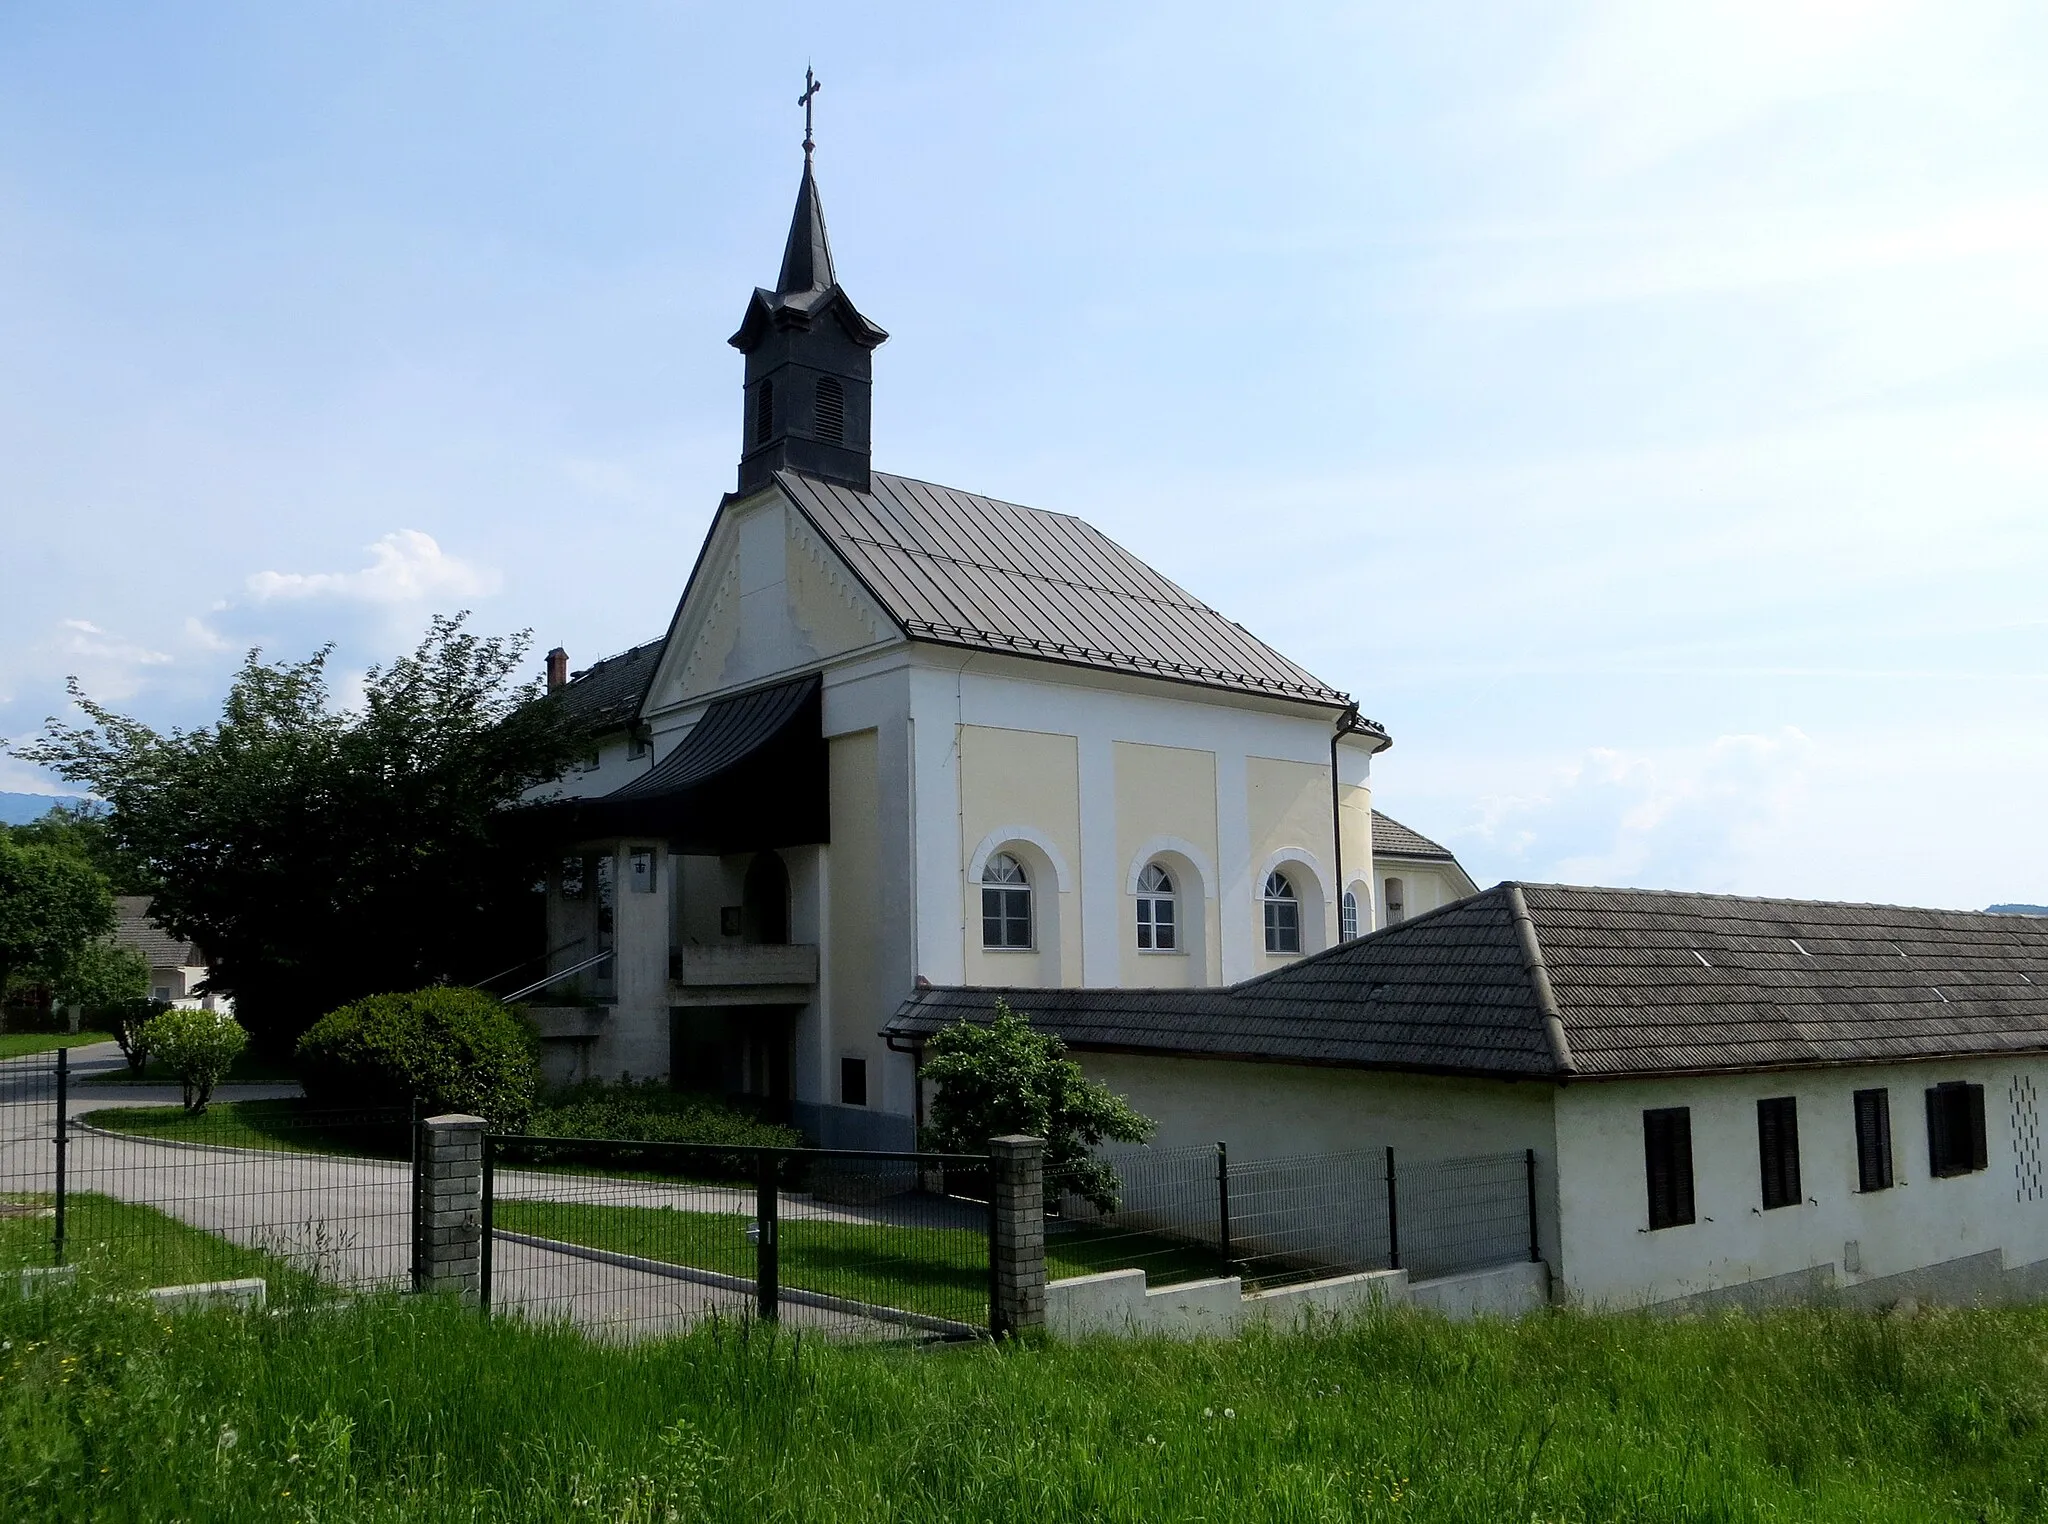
(901, 734)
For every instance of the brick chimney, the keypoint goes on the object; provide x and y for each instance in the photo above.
(558, 670)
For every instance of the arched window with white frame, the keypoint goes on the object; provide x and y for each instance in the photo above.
(1396, 901)
(1158, 911)
(1347, 917)
(1005, 905)
(1283, 914)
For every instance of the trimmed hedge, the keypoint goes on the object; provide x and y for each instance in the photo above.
(649, 1111)
(454, 1050)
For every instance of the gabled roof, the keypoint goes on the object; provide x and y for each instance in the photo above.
(1392, 839)
(608, 695)
(134, 930)
(1547, 981)
(958, 569)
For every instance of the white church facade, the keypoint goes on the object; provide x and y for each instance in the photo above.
(899, 733)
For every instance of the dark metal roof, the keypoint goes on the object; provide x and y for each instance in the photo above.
(731, 730)
(1639, 983)
(807, 286)
(608, 696)
(1392, 839)
(959, 569)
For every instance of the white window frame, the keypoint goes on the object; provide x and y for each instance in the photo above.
(1151, 896)
(996, 881)
(1271, 906)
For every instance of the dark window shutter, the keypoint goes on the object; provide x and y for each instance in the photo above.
(1777, 1140)
(1873, 1140)
(1667, 1165)
(1937, 1132)
(1973, 1120)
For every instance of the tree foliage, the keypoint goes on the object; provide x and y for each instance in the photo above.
(316, 853)
(1006, 1078)
(86, 832)
(52, 905)
(102, 976)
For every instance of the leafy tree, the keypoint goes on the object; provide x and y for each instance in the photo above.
(449, 1050)
(197, 1046)
(128, 1021)
(1006, 1078)
(86, 832)
(317, 854)
(101, 976)
(51, 906)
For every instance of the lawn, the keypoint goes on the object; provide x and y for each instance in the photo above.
(942, 1272)
(121, 1247)
(395, 1409)
(22, 1044)
(283, 1126)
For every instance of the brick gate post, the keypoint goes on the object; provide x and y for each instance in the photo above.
(1017, 1235)
(448, 1221)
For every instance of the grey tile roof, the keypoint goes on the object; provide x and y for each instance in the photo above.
(608, 695)
(1641, 983)
(959, 569)
(134, 930)
(1392, 839)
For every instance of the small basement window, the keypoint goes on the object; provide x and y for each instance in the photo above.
(853, 1082)
(1667, 1163)
(1873, 1140)
(1955, 1129)
(1777, 1150)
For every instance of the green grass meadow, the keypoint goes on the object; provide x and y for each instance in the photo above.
(120, 1247)
(400, 1409)
(281, 1126)
(23, 1044)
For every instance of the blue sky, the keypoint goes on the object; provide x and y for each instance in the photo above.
(1642, 408)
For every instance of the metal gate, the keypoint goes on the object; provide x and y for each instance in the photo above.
(638, 1238)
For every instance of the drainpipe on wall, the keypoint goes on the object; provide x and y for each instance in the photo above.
(1347, 723)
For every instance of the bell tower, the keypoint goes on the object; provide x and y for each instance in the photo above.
(810, 357)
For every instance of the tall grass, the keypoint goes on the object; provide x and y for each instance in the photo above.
(410, 1409)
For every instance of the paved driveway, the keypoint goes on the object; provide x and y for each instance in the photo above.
(348, 1220)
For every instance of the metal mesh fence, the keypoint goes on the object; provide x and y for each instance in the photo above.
(639, 1238)
(1190, 1213)
(128, 1197)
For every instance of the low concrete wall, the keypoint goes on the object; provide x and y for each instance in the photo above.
(249, 1294)
(1119, 1303)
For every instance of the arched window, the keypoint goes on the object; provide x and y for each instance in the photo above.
(1283, 915)
(1005, 904)
(831, 410)
(1158, 920)
(764, 413)
(1396, 901)
(1347, 918)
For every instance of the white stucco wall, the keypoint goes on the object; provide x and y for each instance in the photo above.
(1611, 1257)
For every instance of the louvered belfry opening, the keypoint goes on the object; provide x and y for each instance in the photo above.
(831, 410)
(764, 412)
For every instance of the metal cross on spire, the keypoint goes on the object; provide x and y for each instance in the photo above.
(812, 85)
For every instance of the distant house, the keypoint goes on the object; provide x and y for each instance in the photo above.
(1729, 1099)
(1414, 874)
(176, 967)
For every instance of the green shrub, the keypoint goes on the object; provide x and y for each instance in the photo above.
(198, 1047)
(452, 1050)
(650, 1112)
(127, 1020)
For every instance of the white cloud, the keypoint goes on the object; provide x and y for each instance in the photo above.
(204, 636)
(81, 637)
(406, 567)
(1696, 817)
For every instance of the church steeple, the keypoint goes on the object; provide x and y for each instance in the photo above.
(810, 370)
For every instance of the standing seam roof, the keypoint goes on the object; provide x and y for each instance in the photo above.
(959, 569)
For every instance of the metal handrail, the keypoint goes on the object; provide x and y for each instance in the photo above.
(541, 984)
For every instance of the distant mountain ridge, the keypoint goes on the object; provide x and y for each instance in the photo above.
(20, 809)
(2017, 909)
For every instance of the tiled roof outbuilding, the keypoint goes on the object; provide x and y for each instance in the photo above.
(1559, 982)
